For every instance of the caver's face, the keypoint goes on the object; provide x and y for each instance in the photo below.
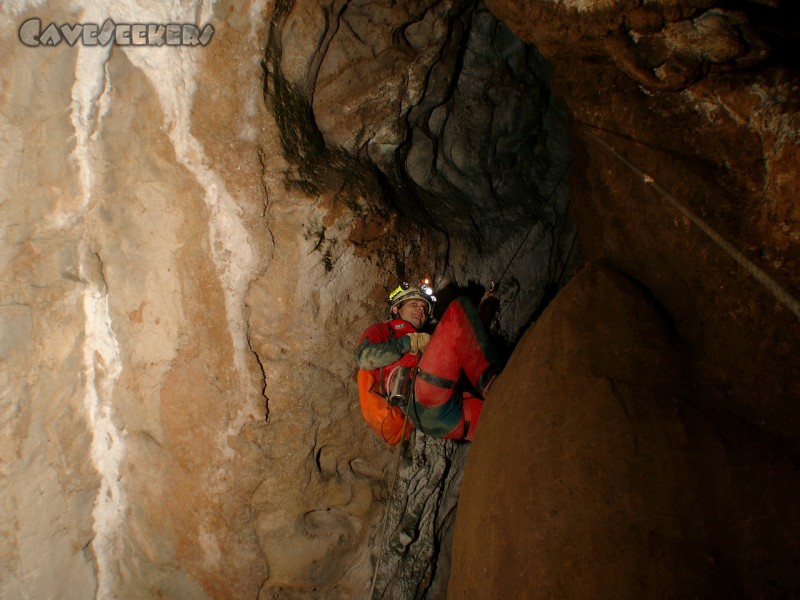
(413, 311)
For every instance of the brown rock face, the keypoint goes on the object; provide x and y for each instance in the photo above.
(649, 449)
(442, 119)
(665, 44)
(595, 475)
(719, 147)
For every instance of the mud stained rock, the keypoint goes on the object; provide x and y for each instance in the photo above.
(594, 476)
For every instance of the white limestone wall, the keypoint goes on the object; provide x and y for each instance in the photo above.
(131, 215)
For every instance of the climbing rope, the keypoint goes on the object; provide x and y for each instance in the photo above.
(781, 294)
(391, 487)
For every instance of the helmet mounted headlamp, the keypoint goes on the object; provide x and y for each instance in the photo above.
(406, 291)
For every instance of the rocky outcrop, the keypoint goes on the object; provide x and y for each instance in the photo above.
(596, 473)
(395, 142)
(415, 536)
(720, 144)
(449, 115)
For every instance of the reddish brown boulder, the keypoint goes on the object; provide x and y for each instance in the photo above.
(594, 474)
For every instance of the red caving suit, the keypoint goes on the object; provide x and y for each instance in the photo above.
(454, 372)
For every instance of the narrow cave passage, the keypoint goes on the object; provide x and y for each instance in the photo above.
(431, 145)
(436, 142)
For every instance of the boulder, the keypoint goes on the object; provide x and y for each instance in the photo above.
(595, 474)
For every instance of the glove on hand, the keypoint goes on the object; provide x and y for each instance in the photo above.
(418, 341)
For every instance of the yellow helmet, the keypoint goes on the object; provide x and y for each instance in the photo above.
(406, 291)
